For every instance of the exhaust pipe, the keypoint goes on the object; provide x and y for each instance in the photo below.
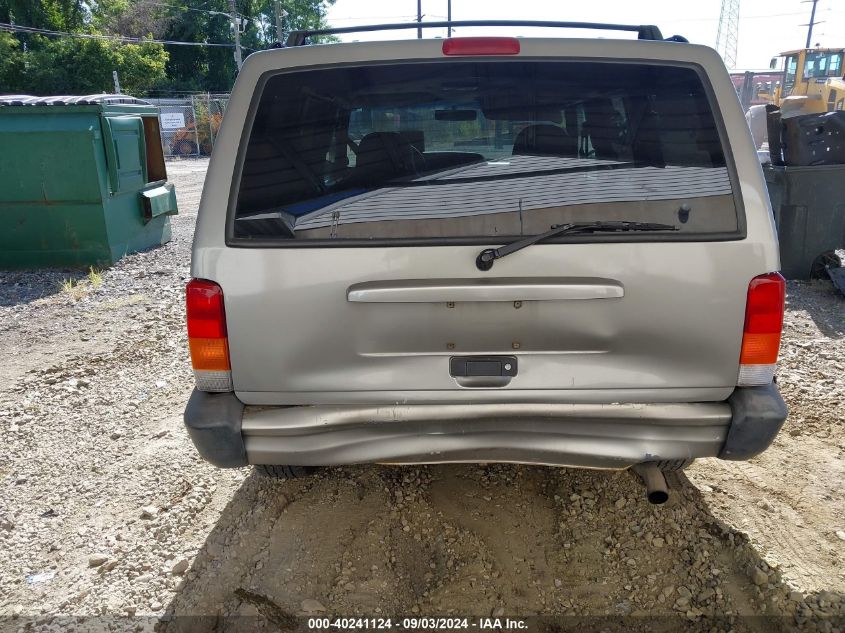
(655, 483)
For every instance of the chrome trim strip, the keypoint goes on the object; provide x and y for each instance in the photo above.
(496, 289)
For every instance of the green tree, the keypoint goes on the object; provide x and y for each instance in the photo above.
(213, 68)
(193, 68)
(84, 66)
(39, 64)
(11, 63)
(32, 63)
(58, 15)
(135, 18)
(298, 15)
(141, 66)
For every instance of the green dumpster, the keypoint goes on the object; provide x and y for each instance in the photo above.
(82, 180)
(809, 208)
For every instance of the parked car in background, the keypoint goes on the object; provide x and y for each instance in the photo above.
(536, 250)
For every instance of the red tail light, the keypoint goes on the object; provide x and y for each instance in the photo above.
(763, 326)
(481, 46)
(207, 336)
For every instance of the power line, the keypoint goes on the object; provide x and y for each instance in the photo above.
(376, 17)
(178, 8)
(357, 18)
(228, 16)
(17, 28)
(753, 17)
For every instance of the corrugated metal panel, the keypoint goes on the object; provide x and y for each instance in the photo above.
(98, 99)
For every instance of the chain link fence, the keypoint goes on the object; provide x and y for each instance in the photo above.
(190, 125)
(209, 111)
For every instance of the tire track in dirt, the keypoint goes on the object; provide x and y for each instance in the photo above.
(477, 540)
(791, 519)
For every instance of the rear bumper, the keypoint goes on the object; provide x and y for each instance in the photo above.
(228, 434)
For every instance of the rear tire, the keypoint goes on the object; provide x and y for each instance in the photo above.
(283, 473)
(185, 148)
(674, 465)
(821, 264)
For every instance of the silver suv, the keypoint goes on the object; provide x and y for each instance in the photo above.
(485, 249)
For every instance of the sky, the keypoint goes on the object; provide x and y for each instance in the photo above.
(766, 27)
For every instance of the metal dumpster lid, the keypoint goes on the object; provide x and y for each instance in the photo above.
(98, 99)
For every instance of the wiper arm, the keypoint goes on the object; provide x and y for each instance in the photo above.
(485, 258)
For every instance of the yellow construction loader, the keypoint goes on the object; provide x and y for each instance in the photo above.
(812, 81)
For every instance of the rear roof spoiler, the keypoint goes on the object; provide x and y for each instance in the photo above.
(643, 31)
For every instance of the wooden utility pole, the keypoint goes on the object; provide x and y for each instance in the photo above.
(236, 25)
(811, 24)
(280, 13)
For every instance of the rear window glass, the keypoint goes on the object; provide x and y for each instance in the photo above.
(481, 149)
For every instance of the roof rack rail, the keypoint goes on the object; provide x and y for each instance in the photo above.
(644, 31)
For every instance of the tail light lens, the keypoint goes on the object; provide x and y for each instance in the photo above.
(762, 331)
(207, 336)
(481, 46)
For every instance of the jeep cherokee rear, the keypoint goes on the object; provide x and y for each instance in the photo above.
(342, 309)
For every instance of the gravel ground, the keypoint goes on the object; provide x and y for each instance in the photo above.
(107, 511)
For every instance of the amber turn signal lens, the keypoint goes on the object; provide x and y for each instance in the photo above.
(209, 353)
(760, 349)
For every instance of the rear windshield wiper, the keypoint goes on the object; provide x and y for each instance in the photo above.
(485, 258)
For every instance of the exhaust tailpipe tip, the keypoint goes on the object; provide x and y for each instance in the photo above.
(657, 491)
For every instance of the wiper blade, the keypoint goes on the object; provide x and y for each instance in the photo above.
(485, 258)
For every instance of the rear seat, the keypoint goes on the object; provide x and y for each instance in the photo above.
(382, 156)
(545, 139)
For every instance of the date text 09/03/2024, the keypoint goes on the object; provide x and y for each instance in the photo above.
(418, 623)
